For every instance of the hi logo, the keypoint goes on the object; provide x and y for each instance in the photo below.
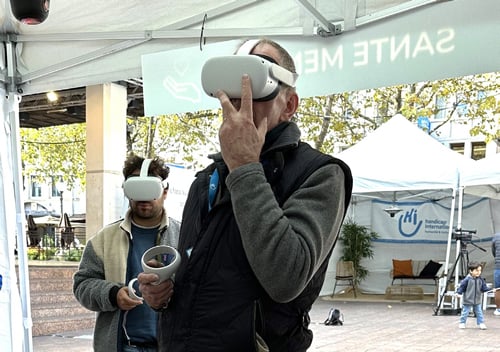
(409, 224)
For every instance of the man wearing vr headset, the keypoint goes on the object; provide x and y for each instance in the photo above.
(113, 257)
(258, 228)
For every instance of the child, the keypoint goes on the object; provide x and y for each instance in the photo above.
(471, 290)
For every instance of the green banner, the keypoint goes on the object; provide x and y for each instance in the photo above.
(448, 39)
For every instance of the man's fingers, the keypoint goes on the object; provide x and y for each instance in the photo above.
(262, 127)
(246, 92)
(157, 295)
(224, 100)
(154, 263)
(246, 97)
(124, 301)
(144, 278)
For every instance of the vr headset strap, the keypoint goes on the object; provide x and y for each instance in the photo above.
(283, 75)
(278, 72)
(247, 47)
(145, 167)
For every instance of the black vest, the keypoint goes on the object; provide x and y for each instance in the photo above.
(284, 326)
(216, 288)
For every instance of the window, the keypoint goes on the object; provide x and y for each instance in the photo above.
(461, 107)
(53, 188)
(457, 147)
(478, 150)
(440, 108)
(474, 150)
(36, 188)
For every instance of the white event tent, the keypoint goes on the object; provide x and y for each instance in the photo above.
(482, 179)
(398, 156)
(399, 165)
(84, 43)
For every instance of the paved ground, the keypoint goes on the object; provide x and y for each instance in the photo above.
(77, 341)
(401, 327)
(377, 325)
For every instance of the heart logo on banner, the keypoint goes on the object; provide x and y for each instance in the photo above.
(181, 67)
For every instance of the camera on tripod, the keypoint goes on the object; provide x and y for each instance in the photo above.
(465, 236)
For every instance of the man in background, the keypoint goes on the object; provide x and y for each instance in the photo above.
(113, 257)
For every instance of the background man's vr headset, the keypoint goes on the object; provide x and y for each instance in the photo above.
(225, 72)
(144, 187)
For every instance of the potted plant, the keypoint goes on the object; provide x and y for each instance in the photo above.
(357, 244)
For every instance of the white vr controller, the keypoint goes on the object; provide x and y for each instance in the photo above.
(170, 259)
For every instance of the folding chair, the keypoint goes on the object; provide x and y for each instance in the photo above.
(345, 276)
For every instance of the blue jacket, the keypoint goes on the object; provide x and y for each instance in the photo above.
(472, 289)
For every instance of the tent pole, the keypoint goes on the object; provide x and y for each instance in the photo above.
(459, 226)
(11, 115)
(450, 231)
(460, 206)
(24, 286)
(448, 245)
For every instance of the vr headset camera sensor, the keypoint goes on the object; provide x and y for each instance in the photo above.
(144, 187)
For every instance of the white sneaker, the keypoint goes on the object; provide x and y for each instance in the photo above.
(496, 312)
(482, 327)
(461, 326)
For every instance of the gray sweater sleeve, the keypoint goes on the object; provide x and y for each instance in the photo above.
(89, 286)
(286, 245)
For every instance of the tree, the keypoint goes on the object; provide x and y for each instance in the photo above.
(346, 118)
(178, 138)
(57, 151)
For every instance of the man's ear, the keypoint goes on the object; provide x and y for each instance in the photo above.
(292, 104)
(165, 185)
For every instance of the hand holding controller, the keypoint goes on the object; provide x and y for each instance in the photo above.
(160, 260)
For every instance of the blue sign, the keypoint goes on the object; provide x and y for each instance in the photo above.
(424, 123)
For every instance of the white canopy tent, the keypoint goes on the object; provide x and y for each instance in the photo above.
(400, 165)
(93, 42)
(403, 157)
(89, 42)
(481, 179)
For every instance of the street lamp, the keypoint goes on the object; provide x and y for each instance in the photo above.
(61, 187)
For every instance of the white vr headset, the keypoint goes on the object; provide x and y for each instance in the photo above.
(225, 72)
(144, 187)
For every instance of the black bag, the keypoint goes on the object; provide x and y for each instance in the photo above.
(334, 317)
